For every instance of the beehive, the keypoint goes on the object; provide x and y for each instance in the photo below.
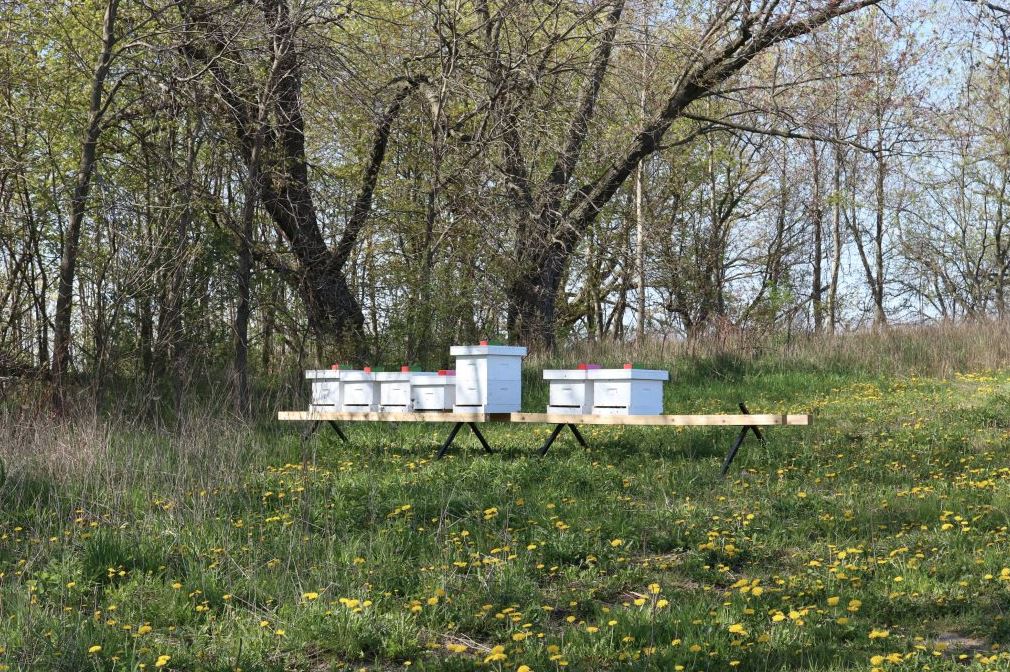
(433, 392)
(359, 391)
(394, 391)
(627, 391)
(488, 378)
(570, 390)
(325, 391)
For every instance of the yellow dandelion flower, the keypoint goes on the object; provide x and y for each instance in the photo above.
(497, 654)
(95, 648)
(162, 661)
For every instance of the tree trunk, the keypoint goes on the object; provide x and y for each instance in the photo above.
(817, 220)
(880, 317)
(639, 190)
(243, 309)
(71, 237)
(533, 300)
(836, 242)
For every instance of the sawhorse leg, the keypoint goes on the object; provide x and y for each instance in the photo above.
(315, 425)
(340, 433)
(310, 431)
(452, 437)
(739, 440)
(554, 435)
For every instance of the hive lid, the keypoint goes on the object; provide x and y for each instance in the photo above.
(323, 374)
(357, 375)
(628, 374)
(508, 350)
(392, 376)
(565, 374)
(425, 378)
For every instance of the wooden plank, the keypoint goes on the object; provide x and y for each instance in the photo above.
(723, 420)
(433, 416)
(717, 420)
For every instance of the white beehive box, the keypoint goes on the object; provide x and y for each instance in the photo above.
(359, 392)
(627, 391)
(394, 391)
(433, 392)
(488, 378)
(325, 389)
(570, 390)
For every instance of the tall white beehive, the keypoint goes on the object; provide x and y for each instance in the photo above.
(488, 378)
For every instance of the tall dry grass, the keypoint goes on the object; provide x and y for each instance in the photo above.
(929, 350)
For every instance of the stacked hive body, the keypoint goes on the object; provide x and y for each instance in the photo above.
(488, 378)
(433, 392)
(627, 391)
(570, 390)
(394, 391)
(325, 389)
(359, 391)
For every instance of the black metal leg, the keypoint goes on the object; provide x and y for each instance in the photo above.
(550, 439)
(480, 437)
(578, 436)
(448, 440)
(340, 433)
(311, 430)
(757, 432)
(732, 451)
(739, 440)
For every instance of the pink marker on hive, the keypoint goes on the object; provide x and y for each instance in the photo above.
(627, 365)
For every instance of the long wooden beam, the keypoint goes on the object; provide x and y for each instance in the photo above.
(720, 420)
(433, 416)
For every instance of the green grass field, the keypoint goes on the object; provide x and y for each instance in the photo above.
(877, 538)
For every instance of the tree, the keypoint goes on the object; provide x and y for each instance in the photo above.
(99, 102)
(551, 214)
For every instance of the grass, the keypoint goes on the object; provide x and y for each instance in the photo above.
(877, 538)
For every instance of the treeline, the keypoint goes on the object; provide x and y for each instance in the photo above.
(201, 181)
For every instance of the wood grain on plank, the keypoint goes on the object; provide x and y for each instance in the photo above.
(723, 420)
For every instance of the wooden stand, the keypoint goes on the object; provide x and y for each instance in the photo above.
(745, 420)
